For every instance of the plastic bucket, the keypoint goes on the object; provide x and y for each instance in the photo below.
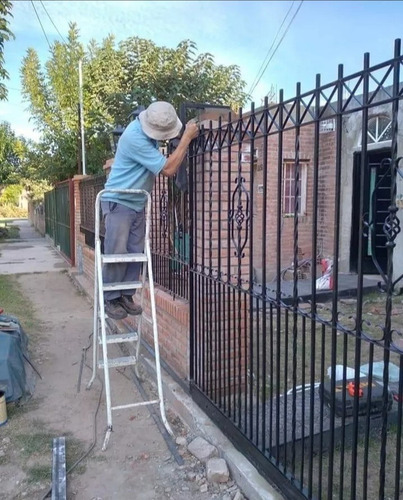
(3, 408)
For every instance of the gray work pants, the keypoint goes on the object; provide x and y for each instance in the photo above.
(124, 233)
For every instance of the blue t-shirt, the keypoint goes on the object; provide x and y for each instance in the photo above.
(137, 162)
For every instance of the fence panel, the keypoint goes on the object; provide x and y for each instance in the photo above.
(59, 217)
(169, 234)
(296, 341)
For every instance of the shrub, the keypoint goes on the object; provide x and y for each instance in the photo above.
(9, 232)
(12, 212)
(10, 194)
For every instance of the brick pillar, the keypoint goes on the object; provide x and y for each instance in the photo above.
(79, 237)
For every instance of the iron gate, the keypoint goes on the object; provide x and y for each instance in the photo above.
(298, 366)
(59, 217)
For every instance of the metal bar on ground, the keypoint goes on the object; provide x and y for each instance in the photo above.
(59, 469)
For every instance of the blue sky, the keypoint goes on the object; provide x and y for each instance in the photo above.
(322, 35)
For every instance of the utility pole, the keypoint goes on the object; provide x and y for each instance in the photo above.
(79, 156)
(80, 84)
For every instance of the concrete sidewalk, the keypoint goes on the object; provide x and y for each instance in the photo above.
(137, 464)
(31, 253)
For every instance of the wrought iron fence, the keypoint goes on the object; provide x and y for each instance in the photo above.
(170, 237)
(296, 351)
(89, 188)
(59, 217)
(169, 234)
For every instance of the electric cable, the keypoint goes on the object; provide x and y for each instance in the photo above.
(279, 43)
(40, 23)
(253, 86)
(282, 38)
(51, 20)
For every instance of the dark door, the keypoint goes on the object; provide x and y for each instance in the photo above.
(377, 182)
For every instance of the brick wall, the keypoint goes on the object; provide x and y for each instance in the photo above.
(36, 216)
(300, 236)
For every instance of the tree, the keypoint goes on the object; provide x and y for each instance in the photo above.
(5, 35)
(116, 80)
(11, 152)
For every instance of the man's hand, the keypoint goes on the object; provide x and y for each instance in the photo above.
(176, 158)
(191, 130)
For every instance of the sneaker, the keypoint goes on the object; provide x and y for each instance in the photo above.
(114, 309)
(126, 301)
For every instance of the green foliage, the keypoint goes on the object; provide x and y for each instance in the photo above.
(11, 194)
(11, 153)
(9, 231)
(116, 80)
(5, 35)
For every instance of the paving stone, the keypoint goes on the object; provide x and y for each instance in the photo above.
(217, 470)
(202, 449)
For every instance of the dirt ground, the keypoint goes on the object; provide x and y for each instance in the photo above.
(137, 463)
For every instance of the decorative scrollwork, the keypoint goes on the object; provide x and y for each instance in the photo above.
(391, 226)
(239, 216)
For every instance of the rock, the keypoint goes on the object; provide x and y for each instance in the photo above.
(238, 496)
(217, 470)
(202, 450)
(181, 441)
(191, 476)
(203, 488)
(6, 440)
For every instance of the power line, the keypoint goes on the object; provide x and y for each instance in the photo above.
(40, 24)
(282, 38)
(253, 86)
(51, 20)
(279, 43)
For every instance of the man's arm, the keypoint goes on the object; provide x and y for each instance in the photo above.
(176, 158)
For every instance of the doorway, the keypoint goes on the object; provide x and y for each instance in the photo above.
(375, 210)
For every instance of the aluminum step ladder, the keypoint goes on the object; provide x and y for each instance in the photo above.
(100, 338)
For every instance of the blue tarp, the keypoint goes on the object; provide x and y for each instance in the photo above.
(16, 375)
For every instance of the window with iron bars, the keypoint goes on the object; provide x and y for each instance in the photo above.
(290, 185)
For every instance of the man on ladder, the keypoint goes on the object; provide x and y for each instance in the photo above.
(126, 203)
(137, 163)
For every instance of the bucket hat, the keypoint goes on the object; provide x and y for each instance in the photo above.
(160, 121)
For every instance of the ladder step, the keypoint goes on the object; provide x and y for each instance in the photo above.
(124, 257)
(133, 405)
(121, 338)
(116, 362)
(124, 285)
